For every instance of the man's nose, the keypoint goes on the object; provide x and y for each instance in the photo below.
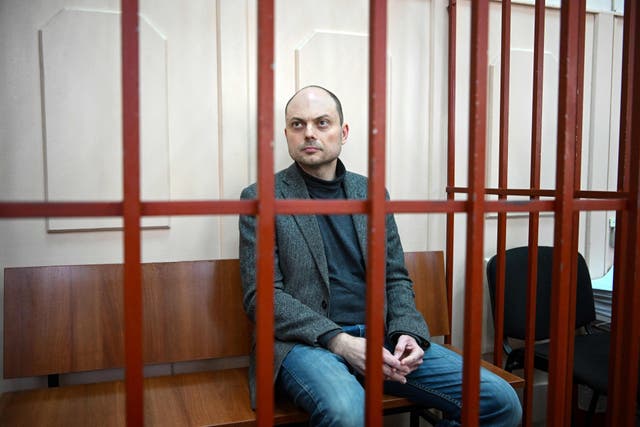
(309, 131)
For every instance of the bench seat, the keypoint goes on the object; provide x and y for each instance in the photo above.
(177, 400)
(65, 319)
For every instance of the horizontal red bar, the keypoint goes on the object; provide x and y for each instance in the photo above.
(59, 209)
(507, 191)
(200, 207)
(601, 205)
(501, 206)
(581, 194)
(306, 207)
(426, 206)
(589, 194)
(295, 207)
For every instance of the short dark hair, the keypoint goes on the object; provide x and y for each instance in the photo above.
(331, 94)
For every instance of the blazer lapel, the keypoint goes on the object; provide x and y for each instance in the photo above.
(294, 188)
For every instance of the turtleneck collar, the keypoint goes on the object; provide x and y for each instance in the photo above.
(322, 189)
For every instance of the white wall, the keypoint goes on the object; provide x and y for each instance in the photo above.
(204, 107)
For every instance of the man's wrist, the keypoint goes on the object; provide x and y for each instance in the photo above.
(324, 339)
(335, 344)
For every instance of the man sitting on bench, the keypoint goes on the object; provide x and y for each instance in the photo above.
(320, 286)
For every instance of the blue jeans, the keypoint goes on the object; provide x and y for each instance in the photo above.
(325, 386)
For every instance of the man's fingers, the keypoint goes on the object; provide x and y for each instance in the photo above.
(392, 361)
(413, 359)
(391, 374)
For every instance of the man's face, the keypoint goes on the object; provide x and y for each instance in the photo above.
(314, 133)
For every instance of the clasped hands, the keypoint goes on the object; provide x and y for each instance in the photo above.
(406, 357)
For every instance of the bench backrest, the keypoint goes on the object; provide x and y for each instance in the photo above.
(70, 318)
(427, 272)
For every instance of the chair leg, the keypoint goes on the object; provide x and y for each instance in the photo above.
(414, 419)
(425, 414)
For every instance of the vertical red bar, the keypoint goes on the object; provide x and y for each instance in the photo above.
(376, 256)
(577, 175)
(624, 352)
(561, 357)
(475, 213)
(451, 156)
(131, 214)
(266, 216)
(534, 217)
(502, 179)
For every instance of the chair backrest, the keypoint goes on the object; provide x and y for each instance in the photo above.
(426, 269)
(516, 274)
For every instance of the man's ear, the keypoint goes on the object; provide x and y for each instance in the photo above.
(345, 132)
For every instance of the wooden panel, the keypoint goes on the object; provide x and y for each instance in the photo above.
(193, 310)
(97, 319)
(70, 319)
(207, 398)
(37, 326)
(81, 405)
(427, 272)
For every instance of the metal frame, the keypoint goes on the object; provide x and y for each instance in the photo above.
(566, 201)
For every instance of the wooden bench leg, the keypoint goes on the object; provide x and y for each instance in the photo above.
(53, 380)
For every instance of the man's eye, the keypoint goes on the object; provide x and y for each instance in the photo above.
(296, 125)
(323, 123)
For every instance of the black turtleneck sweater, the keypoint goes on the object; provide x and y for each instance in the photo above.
(347, 274)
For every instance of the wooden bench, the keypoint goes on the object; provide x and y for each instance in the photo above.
(68, 319)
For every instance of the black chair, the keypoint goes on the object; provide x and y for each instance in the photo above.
(591, 350)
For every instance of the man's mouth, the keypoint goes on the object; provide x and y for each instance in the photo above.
(310, 149)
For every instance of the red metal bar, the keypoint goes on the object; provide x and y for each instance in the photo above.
(624, 353)
(532, 282)
(534, 217)
(59, 209)
(561, 331)
(426, 206)
(582, 7)
(266, 216)
(377, 213)
(451, 156)
(200, 207)
(594, 194)
(508, 191)
(298, 207)
(321, 206)
(537, 192)
(503, 165)
(519, 206)
(131, 214)
(601, 205)
(475, 217)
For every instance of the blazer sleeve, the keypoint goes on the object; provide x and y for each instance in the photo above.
(294, 321)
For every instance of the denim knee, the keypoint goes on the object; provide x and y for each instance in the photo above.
(340, 413)
(502, 406)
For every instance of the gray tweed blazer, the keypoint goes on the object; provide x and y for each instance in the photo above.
(301, 277)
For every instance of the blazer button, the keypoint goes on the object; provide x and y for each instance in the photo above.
(324, 305)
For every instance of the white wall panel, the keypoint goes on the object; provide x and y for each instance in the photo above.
(82, 114)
